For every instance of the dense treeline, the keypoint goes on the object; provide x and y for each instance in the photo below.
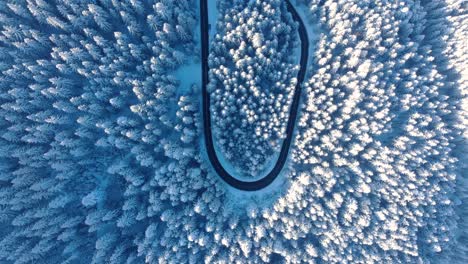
(91, 150)
(253, 75)
(379, 131)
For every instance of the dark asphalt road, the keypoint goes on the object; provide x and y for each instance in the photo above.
(270, 177)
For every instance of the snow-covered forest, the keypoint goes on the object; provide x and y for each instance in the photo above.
(253, 74)
(100, 154)
(97, 153)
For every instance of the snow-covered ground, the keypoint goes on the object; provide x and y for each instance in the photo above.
(311, 27)
(212, 17)
(188, 75)
(261, 198)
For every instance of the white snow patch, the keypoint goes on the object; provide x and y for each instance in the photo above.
(212, 17)
(188, 74)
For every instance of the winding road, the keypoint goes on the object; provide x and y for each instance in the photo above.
(271, 176)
